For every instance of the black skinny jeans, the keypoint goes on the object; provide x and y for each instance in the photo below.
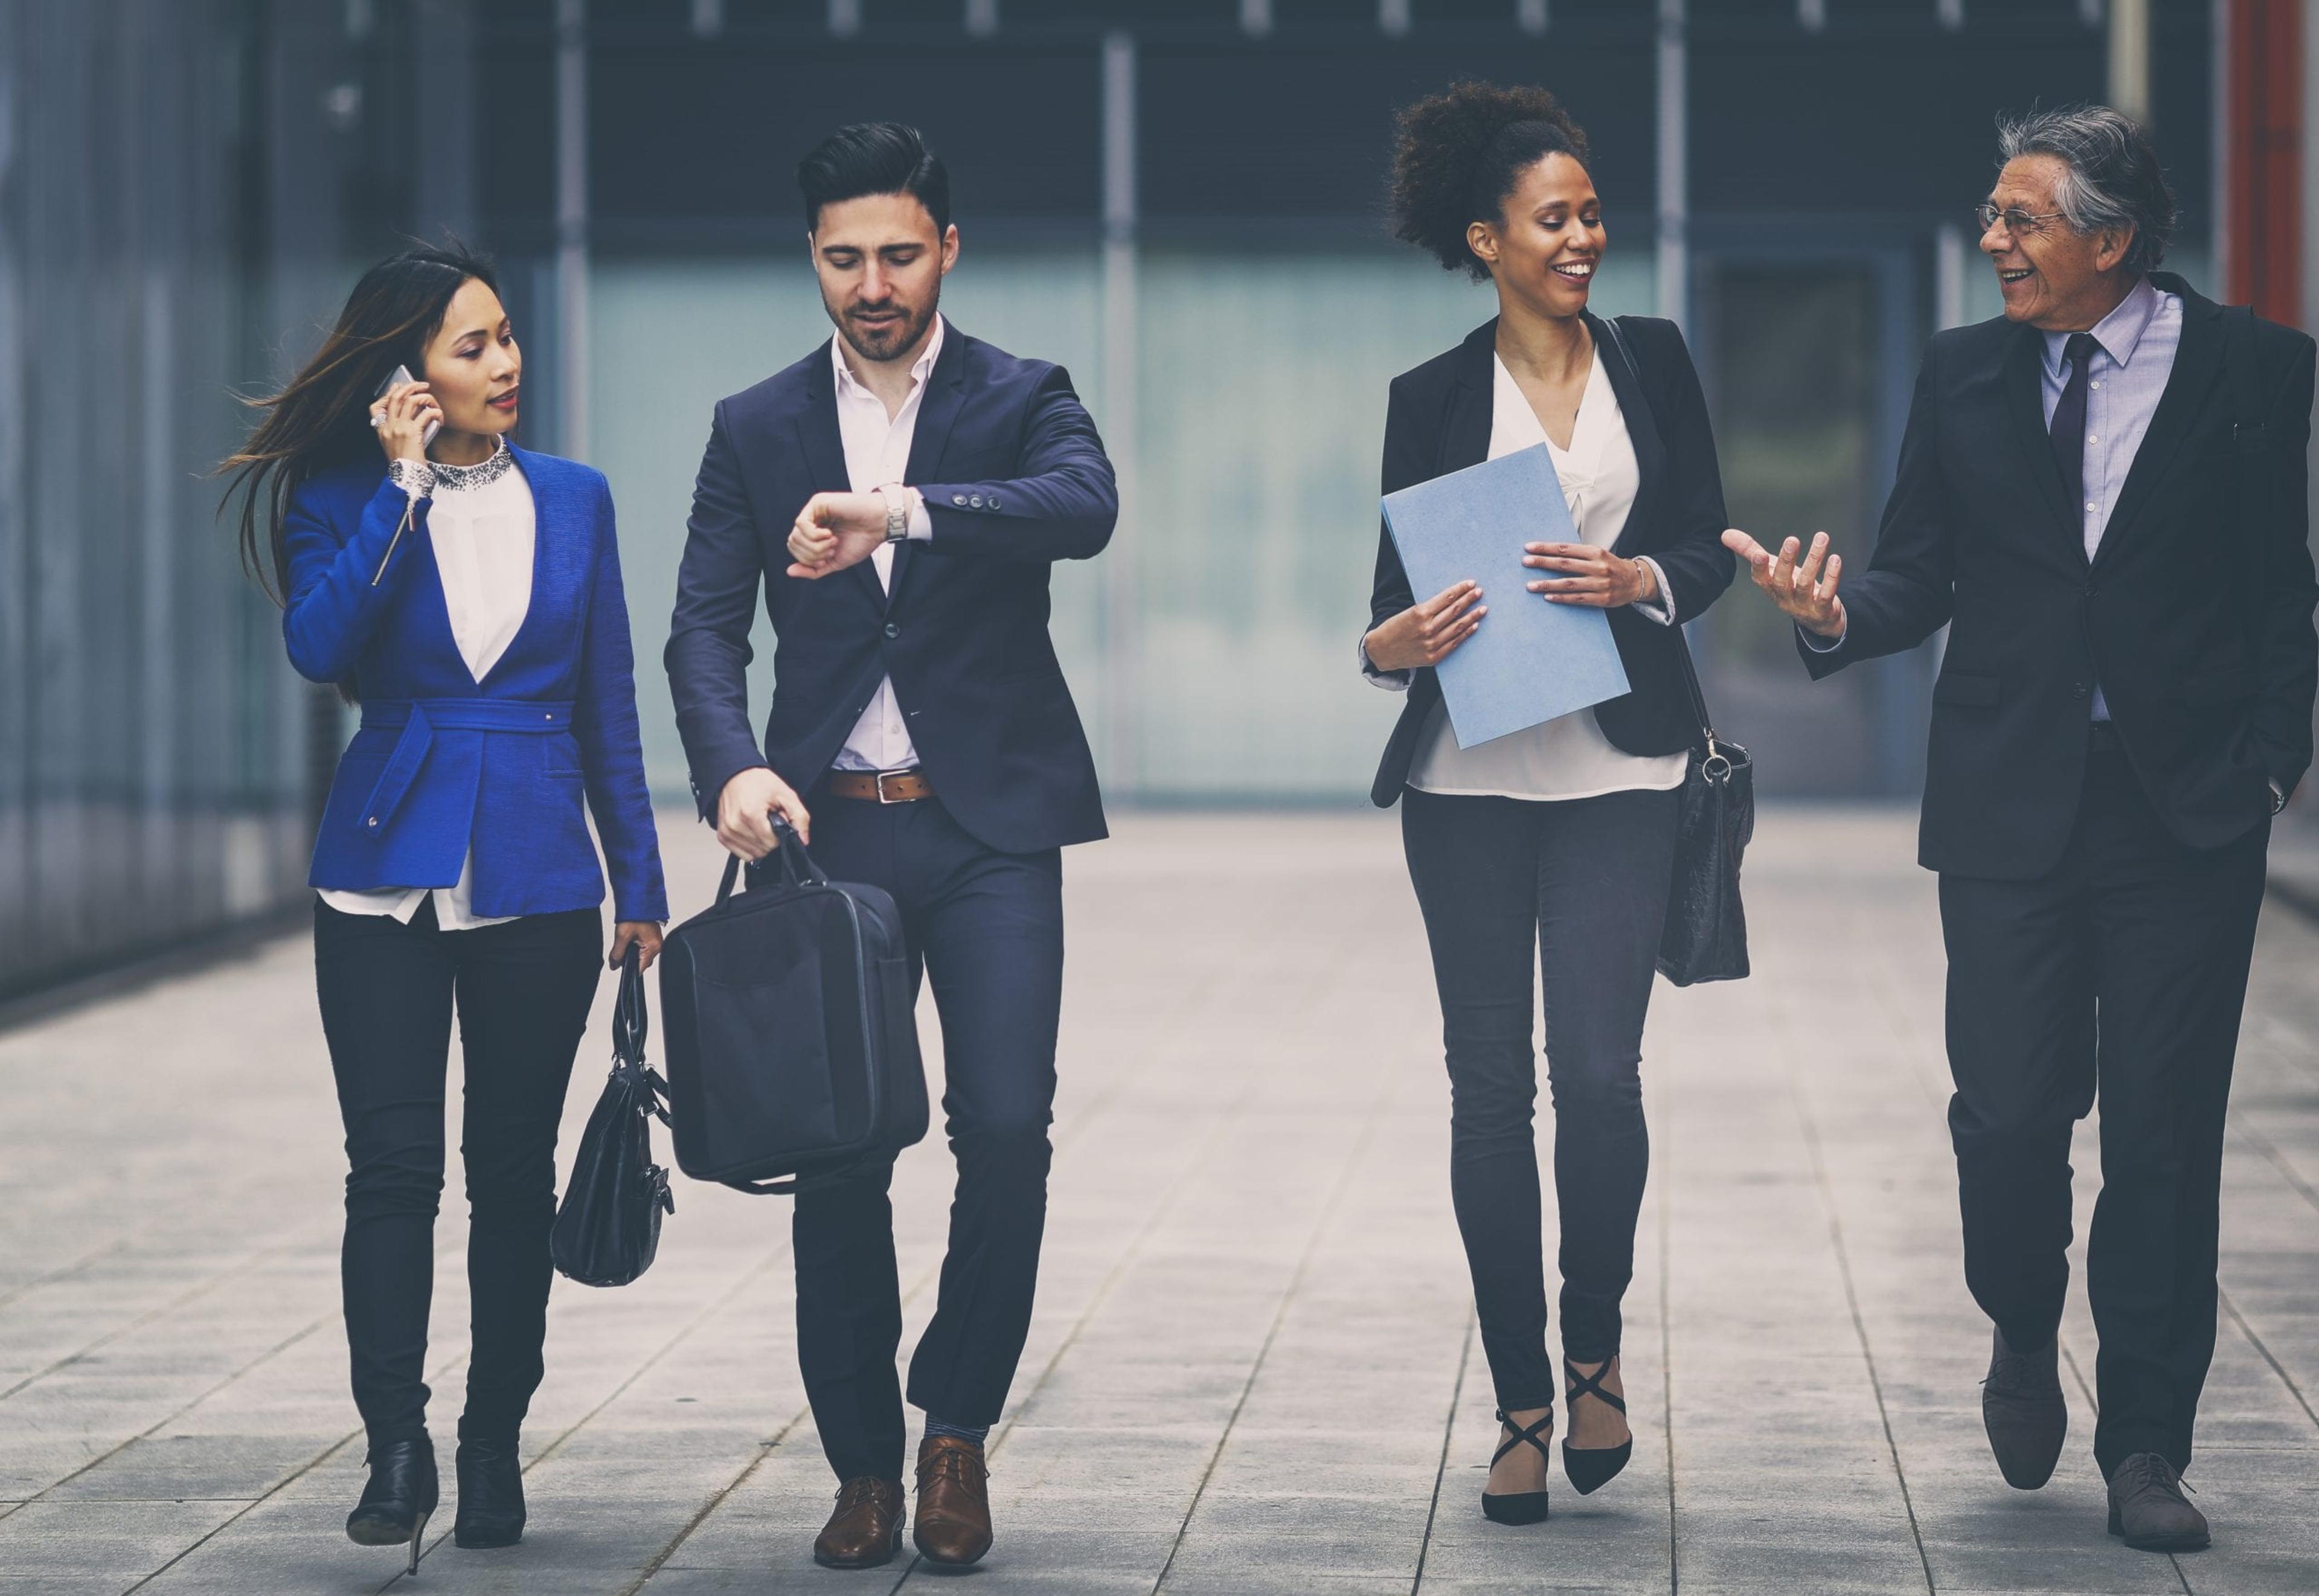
(1585, 883)
(522, 990)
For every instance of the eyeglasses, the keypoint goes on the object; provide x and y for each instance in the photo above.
(2020, 224)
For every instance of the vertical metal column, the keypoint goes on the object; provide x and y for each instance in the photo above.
(2129, 58)
(2218, 118)
(1950, 254)
(572, 226)
(1122, 733)
(1673, 253)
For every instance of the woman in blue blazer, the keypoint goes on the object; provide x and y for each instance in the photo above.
(467, 595)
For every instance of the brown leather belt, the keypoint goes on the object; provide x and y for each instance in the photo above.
(888, 786)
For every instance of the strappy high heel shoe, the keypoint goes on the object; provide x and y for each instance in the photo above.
(397, 1499)
(1519, 1506)
(1590, 1468)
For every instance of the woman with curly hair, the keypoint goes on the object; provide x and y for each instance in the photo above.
(1560, 837)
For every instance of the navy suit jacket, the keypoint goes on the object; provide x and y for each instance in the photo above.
(2194, 614)
(444, 761)
(1015, 479)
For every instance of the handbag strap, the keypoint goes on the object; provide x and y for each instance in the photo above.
(797, 868)
(631, 1024)
(1682, 638)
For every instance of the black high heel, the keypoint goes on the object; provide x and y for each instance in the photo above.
(1590, 1468)
(490, 1495)
(398, 1498)
(1519, 1506)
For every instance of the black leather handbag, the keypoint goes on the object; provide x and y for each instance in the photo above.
(608, 1227)
(1706, 933)
(792, 1049)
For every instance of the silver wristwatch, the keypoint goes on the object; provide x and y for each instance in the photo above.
(897, 512)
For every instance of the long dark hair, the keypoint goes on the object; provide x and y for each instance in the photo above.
(321, 420)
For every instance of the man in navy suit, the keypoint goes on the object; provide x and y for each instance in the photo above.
(901, 494)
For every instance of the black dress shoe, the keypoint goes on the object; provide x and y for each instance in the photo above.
(490, 1495)
(2146, 1505)
(2022, 1408)
(397, 1499)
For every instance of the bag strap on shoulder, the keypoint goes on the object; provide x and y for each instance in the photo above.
(1682, 638)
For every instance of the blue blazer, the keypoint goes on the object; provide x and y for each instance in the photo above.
(1015, 479)
(444, 762)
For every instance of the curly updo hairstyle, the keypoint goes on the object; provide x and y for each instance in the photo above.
(1458, 154)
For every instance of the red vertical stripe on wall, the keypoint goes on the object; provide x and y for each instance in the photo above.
(2264, 119)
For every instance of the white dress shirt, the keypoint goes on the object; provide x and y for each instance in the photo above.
(877, 454)
(1567, 757)
(481, 523)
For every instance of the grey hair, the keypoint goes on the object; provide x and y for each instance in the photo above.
(2112, 180)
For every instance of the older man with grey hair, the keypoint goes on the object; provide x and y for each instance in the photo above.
(2102, 494)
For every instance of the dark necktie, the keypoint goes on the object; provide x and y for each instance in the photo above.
(2069, 429)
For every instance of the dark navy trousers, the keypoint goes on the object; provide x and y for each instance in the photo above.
(986, 929)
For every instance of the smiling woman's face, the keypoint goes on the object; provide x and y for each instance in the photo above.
(473, 365)
(1547, 242)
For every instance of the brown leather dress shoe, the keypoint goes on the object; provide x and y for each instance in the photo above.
(953, 1523)
(866, 1528)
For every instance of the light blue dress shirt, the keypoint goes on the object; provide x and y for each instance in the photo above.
(2133, 358)
(2135, 355)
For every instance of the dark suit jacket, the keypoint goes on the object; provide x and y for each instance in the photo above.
(1438, 421)
(2194, 615)
(1015, 479)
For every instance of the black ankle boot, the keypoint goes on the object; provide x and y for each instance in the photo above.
(400, 1495)
(490, 1495)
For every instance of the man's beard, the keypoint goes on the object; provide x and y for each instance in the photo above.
(885, 343)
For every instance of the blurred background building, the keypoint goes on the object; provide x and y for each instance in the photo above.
(1180, 200)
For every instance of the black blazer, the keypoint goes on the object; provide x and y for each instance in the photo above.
(1438, 421)
(1015, 478)
(2194, 615)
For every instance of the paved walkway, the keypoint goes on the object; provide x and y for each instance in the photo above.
(1253, 1367)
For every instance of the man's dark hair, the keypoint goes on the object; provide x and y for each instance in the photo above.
(1458, 154)
(2114, 180)
(874, 158)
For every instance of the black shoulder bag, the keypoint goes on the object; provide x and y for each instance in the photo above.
(1706, 933)
(608, 1227)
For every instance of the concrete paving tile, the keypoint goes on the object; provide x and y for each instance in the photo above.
(1264, 1099)
(104, 1538)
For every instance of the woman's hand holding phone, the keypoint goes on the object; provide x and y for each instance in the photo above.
(407, 417)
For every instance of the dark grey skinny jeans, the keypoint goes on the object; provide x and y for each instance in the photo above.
(1581, 884)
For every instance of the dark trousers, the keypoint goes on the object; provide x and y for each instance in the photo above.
(2120, 975)
(986, 928)
(522, 991)
(1582, 885)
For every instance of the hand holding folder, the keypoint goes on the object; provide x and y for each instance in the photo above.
(1535, 662)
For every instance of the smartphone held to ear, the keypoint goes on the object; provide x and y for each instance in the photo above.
(400, 377)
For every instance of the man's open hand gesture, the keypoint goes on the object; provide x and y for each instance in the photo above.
(1804, 589)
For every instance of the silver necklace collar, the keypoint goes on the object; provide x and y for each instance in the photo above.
(483, 473)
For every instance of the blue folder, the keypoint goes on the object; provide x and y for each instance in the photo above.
(1529, 661)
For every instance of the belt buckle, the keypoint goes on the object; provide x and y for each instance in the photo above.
(882, 799)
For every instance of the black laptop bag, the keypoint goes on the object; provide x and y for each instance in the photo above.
(791, 1049)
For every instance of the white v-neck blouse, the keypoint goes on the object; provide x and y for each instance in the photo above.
(1567, 757)
(483, 530)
